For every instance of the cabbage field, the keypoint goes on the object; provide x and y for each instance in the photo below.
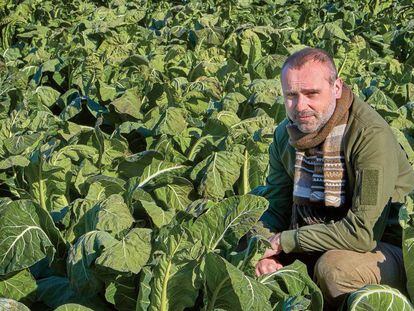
(134, 143)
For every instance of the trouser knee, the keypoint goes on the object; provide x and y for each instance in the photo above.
(331, 278)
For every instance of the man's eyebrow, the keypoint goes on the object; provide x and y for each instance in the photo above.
(291, 92)
(306, 91)
(310, 90)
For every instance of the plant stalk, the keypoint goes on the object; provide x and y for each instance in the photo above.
(164, 288)
(246, 172)
(215, 293)
(42, 199)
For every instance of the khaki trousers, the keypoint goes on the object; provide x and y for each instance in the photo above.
(338, 272)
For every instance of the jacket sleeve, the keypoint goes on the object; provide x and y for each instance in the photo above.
(278, 191)
(375, 163)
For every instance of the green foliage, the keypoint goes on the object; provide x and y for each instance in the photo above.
(293, 289)
(230, 289)
(375, 297)
(407, 222)
(131, 133)
(10, 304)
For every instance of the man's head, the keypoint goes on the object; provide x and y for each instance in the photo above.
(310, 88)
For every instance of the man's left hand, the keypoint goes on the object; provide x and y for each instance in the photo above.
(267, 265)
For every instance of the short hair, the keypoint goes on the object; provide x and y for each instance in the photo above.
(300, 58)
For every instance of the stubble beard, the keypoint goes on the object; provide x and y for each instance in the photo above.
(320, 119)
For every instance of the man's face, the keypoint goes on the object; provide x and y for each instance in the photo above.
(310, 99)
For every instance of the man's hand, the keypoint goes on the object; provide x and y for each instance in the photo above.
(267, 265)
(276, 246)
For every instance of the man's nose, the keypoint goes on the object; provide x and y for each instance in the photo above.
(301, 103)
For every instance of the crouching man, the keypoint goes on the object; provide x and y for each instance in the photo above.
(337, 178)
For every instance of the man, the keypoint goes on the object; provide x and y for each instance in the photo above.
(336, 180)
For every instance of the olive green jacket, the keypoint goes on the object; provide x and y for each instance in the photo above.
(379, 178)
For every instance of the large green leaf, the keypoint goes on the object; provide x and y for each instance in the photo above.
(73, 307)
(12, 305)
(383, 104)
(27, 235)
(228, 288)
(250, 126)
(150, 169)
(101, 187)
(46, 95)
(54, 291)
(19, 144)
(75, 153)
(406, 142)
(75, 218)
(176, 194)
(228, 220)
(110, 148)
(219, 125)
(159, 216)
(80, 262)
(265, 93)
(292, 288)
(232, 101)
(165, 146)
(11, 161)
(111, 215)
(406, 216)
(129, 104)
(174, 284)
(135, 164)
(254, 171)
(378, 297)
(251, 46)
(49, 182)
(329, 31)
(143, 300)
(172, 122)
(217, 173)
(20, 286)
(159, 171)
(128, 255)
(122, 293)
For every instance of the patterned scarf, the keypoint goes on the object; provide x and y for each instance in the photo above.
(320, 173)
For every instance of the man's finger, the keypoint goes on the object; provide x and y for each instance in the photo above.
(267, 269)
(269, 253)
(278, 266)
(260, 269)
(271, 267)
(257, 270)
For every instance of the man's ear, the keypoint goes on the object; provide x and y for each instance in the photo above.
(338, 88)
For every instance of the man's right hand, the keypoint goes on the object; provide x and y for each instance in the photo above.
(267, 265)
(276, 246)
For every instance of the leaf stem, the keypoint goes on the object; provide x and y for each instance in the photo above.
(193, 148)
(245, 172)
(342, 66)
(408, 93)
(215, 294)
(164, 288)
(42, 199)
